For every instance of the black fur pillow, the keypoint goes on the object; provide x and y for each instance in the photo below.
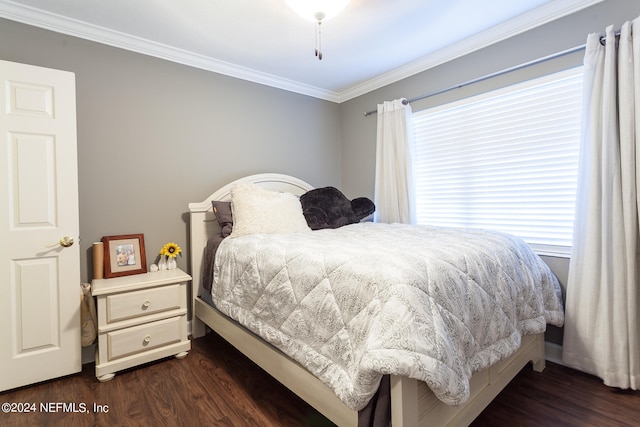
(327, 207)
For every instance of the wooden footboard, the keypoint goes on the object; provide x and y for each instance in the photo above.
(412, 402)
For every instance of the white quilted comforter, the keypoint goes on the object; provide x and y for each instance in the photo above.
(369, 299)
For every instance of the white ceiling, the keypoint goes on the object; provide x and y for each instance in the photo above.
(371, 43)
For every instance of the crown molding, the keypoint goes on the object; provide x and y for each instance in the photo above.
(525, 22)
(31, 16)
(61, 24)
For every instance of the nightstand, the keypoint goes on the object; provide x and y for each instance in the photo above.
(141, 318)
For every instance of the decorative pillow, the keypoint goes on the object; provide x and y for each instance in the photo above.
(256, 210)
(222, 211)
(327, 207)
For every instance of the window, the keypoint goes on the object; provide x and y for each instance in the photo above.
(505, 160)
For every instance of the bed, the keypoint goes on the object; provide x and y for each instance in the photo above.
(413, 403)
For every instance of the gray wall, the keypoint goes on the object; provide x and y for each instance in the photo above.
(359, 132)
(154, 135)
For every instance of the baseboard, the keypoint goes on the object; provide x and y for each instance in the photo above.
(553, 353)
(89, 354)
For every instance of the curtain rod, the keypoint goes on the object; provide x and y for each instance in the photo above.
(490, 76)
(499, 73)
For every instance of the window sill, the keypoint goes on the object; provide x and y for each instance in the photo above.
(552, 251)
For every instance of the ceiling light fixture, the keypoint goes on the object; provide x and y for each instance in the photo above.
(318, 11)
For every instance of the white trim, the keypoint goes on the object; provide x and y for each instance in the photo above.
(61, 24)
(89, 353)
(553, 353)
(72, 27)
(552, 251)
(528, 21)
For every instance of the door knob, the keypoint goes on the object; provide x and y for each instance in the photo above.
(66, 241)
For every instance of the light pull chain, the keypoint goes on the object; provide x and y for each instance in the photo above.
(319, 17)
(319, 40)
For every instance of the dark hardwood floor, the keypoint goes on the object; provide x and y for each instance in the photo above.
(217, 386)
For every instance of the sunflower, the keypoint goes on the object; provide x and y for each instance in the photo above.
(171, 250)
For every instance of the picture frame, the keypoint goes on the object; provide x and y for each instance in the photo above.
(124, 255)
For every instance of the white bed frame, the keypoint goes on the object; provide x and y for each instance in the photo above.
(412, 402)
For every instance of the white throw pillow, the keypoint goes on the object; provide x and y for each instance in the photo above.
(259, 211)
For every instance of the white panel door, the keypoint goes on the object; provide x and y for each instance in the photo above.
(39, 263)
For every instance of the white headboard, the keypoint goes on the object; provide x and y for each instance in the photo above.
(203, 223)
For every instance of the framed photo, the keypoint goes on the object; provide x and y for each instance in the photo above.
(124, 255)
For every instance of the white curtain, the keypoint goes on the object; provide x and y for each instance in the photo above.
(602, 325)
(394, 194)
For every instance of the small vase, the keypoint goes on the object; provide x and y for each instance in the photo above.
(172, 264)
(162, 264)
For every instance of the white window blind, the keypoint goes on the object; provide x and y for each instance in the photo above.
(505, 160)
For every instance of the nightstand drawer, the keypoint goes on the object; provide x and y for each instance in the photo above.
(137, 339)
(142, 303)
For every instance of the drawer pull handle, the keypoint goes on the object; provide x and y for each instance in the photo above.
(147, 339)
(146, 304)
